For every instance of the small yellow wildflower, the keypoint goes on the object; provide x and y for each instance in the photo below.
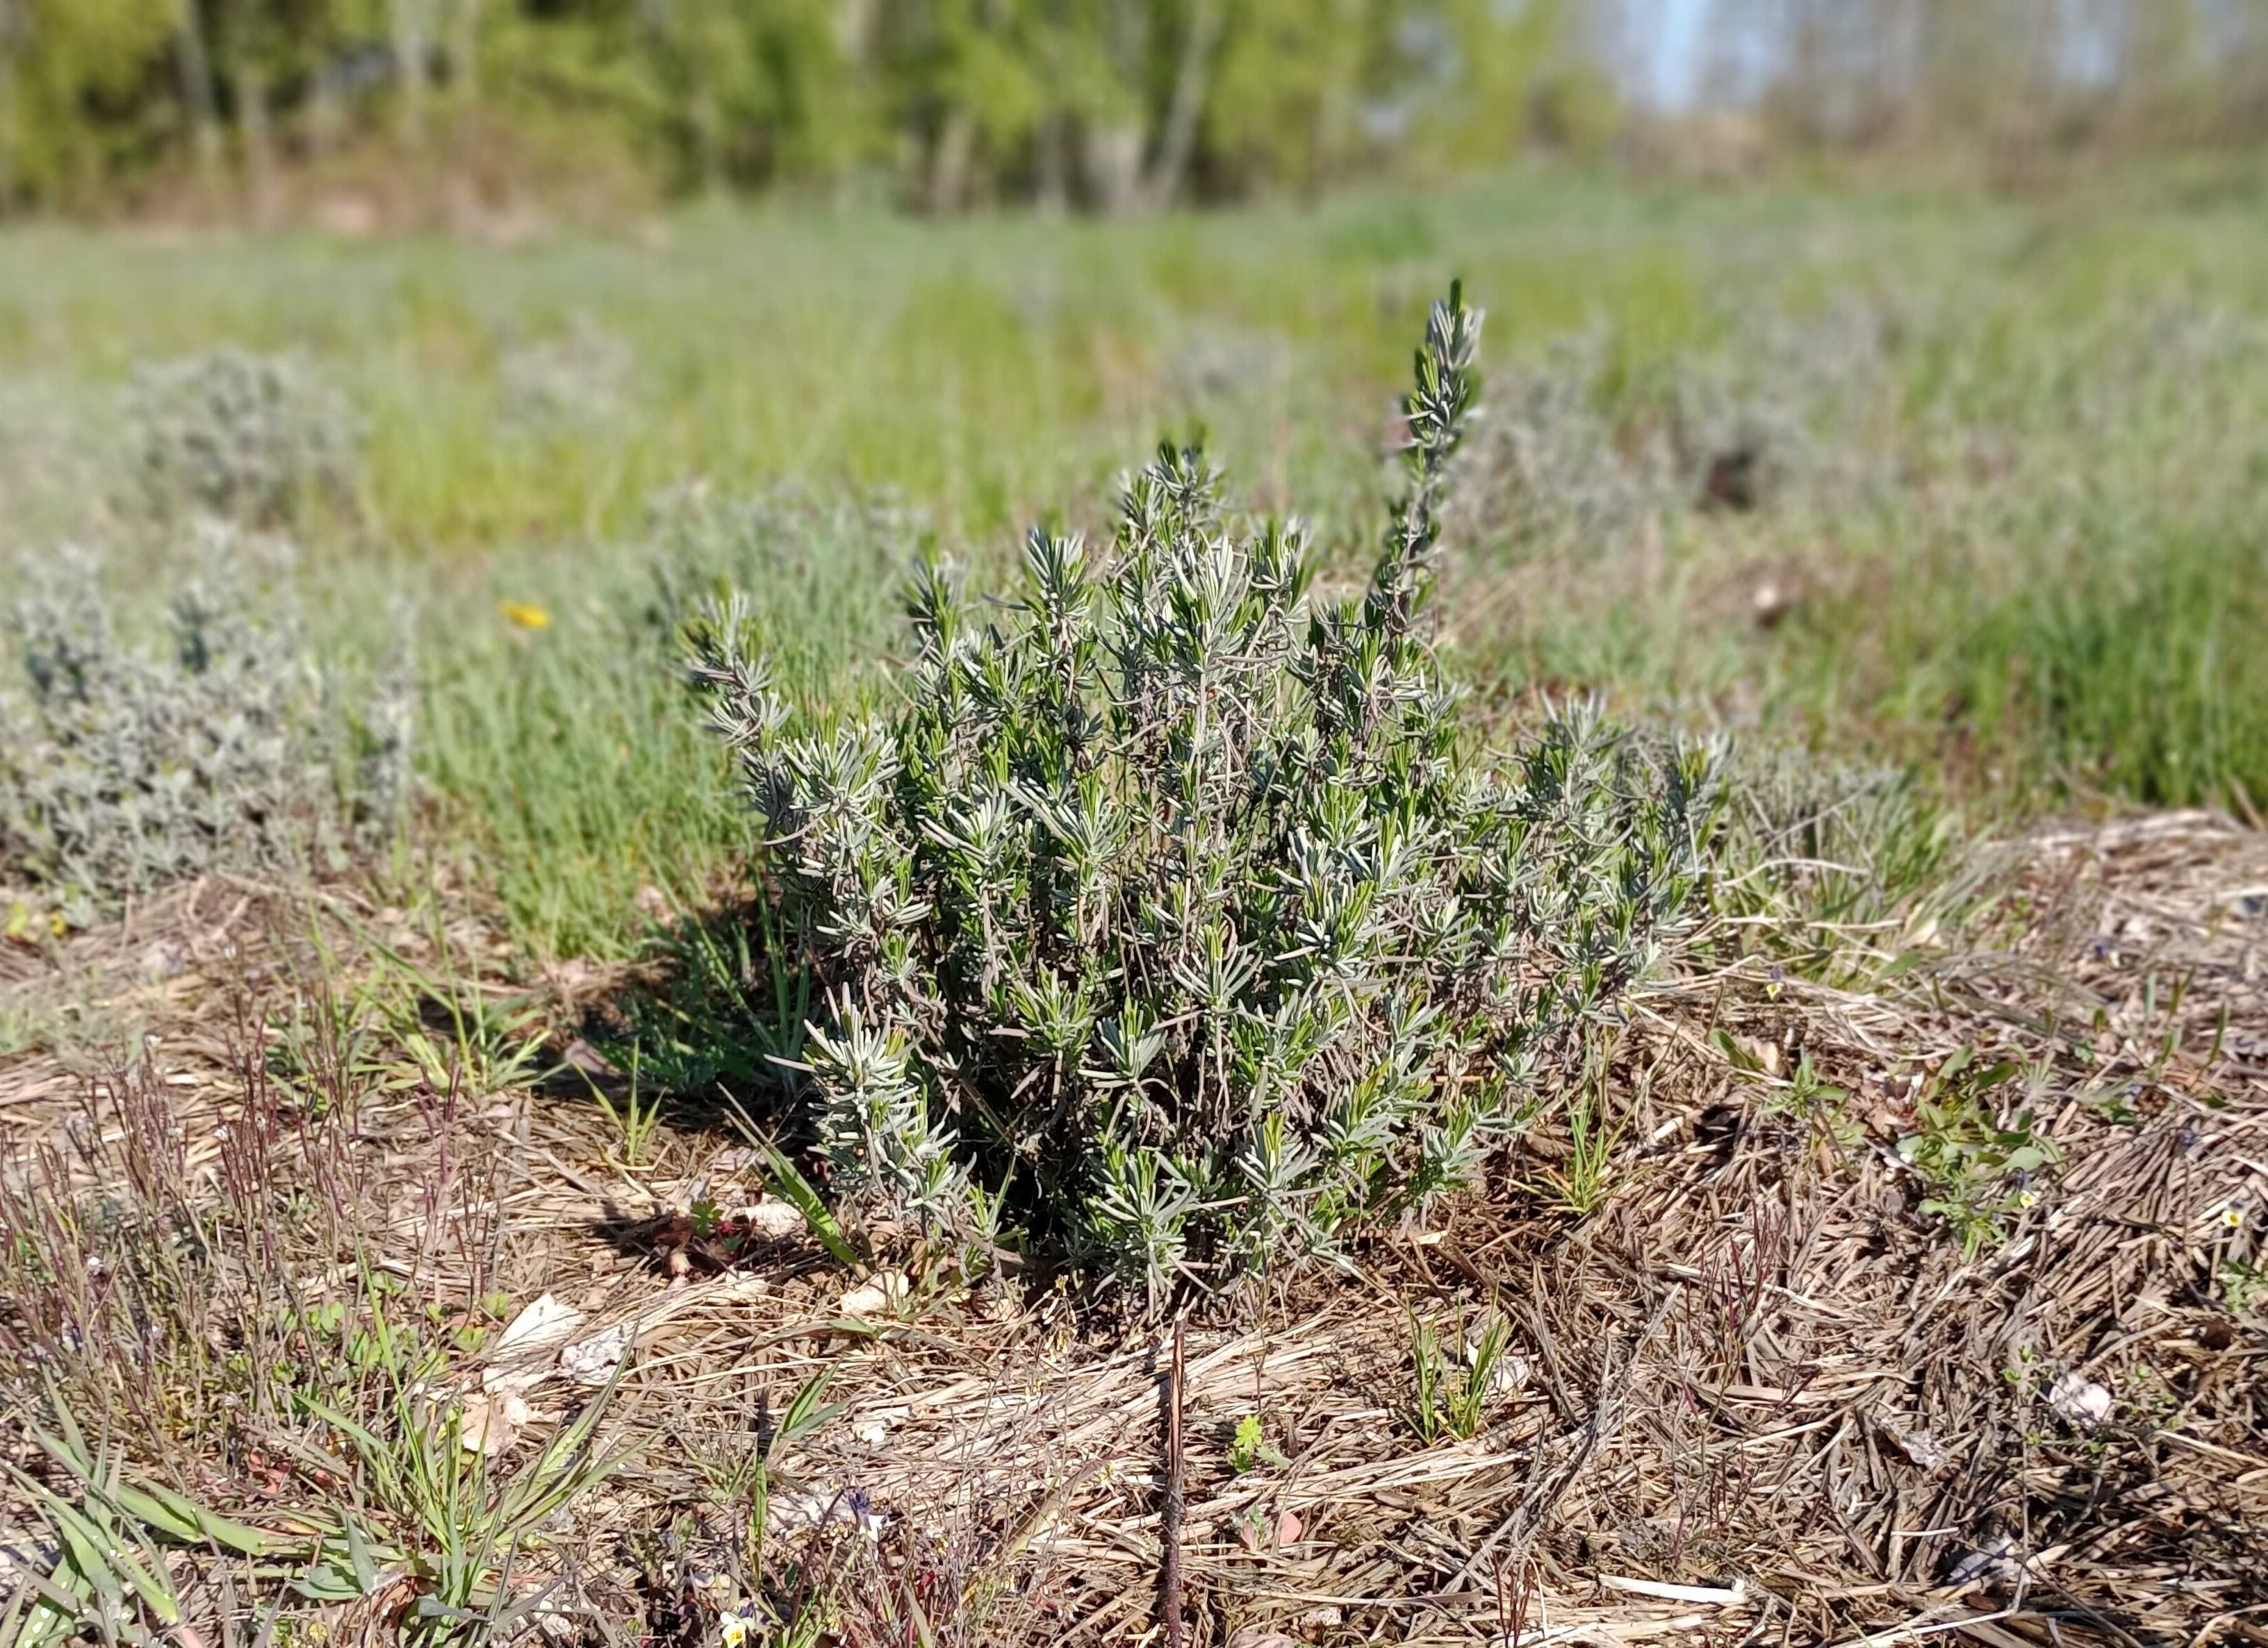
(2027, 1198)
(23, 926)
(522, 615)
(734, 1628)
(2233, 1216)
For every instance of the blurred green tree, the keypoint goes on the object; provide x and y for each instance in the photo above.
(1111, 106)
(88, 94)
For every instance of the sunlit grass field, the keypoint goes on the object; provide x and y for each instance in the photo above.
(2006, 530)
(450, 1154)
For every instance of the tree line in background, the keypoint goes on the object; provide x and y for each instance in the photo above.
(2024, 73)
(1111, 104)
(1108, 105)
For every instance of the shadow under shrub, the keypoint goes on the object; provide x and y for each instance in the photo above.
(1179, 920)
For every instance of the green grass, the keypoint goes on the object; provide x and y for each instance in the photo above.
(2034, 577)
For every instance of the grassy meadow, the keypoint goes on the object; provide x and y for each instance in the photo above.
(1890, 1262)
(2007, 535)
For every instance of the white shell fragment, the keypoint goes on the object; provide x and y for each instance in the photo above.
(592, 1361)
(488, 1423)
(1734, 1595)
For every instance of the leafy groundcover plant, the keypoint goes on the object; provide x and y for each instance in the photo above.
(124, 767)
(1179, 922)
(248, 437)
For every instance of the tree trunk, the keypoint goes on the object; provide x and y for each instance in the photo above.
(7, 106)
(708, 122)
(1052, 193)
(197, 87)
(410, 61)
(259, 145)
(1191, 82)
(464, 51)
(1335, 104)
(948, 174)
(323, 117)
(854, 31)
(1114, 166)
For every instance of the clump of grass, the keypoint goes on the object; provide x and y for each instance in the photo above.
(124, 767)
(576, 379)
(731, 1013)
(1840, 869)
(565, 765)
(1185, 917)
(251, 438)
(1451, 1385)
(447, 1031)
(1581, 1179)
(440, 1507)
(2138, 679)
(113, 1571)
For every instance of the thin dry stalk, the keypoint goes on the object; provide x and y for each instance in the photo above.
(1169, 1520)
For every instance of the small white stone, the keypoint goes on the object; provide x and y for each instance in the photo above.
(2080, 1401)
(881, 1297)
(777, 1219)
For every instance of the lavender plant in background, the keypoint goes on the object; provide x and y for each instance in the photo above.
(251, 438)
(124, 766)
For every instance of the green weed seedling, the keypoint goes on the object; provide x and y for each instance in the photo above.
(452, 1033)
(1250, 1449)
(1967, 1156)
(1817, 1103)
(634, 1119)
(2244, 1285)
(1580, 1183)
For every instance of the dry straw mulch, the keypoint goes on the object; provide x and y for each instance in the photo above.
(1756, 1395)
